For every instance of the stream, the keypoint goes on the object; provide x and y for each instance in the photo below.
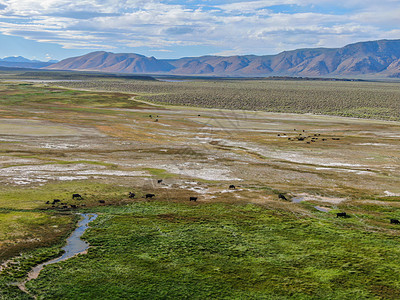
(75, 245)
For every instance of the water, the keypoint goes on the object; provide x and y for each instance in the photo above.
(297, 199)
(300, 199)
(75, 245)
(323, 209)
(174, 80)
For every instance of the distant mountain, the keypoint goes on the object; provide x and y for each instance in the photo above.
(110, 62)
(375, 58)
(22, 62)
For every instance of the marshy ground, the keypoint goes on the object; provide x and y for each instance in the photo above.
(245, 242)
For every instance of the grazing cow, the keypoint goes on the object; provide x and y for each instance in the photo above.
(150, 196)
(342, 215)
(193, 198)
(74, 206)
(308, 143)
(131, 195)
(47, 202)
(102, 201)
(150, 116)
(279, 134)
(76, 196)
(198, 115)
(394, 221)
(56, 201)
(289, 139)
(336, 139)
(282, 196)
(159, 180)
(324, 139)
(232, 187)
(65, 207)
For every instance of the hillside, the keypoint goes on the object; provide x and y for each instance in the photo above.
(22, 62)
(374, 58)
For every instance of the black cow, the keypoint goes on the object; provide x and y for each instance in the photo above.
(131, 195)
(74, 206)
(193, 198)
(102, 201)
(159, 180)
(394, 221)
(282, 196)
(150, 196)
(76, 196)
(342, 215)
(56, 201)
(232, 187)
(47, 202)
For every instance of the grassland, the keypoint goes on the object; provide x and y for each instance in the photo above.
(244, 243)
(170, 250)
(375, 100)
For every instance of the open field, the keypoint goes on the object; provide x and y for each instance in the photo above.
(373, 100)
(230, 243)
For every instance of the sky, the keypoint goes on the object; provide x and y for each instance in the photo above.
(57, 29)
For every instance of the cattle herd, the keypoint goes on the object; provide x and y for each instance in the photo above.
(57, 204)
(308, 138)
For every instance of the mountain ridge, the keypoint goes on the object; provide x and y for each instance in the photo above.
(372, 58)
(22, 62)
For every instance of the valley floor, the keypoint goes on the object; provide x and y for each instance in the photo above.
(274, 236)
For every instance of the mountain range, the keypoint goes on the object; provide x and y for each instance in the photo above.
(364, 59)
(22, 62)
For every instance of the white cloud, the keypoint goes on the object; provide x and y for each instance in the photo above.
(236, 27)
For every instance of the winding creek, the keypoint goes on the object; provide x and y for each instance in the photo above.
(75, 245)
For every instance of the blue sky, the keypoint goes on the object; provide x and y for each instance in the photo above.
(56, 29)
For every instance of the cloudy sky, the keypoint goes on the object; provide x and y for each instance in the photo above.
(55, 29)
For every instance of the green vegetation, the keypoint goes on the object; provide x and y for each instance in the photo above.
(30, 94)
(375, 100)
(243, 243)
(153, 250)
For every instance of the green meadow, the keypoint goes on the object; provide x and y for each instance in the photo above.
(246, 242)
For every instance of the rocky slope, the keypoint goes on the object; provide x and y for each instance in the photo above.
(375, 58)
